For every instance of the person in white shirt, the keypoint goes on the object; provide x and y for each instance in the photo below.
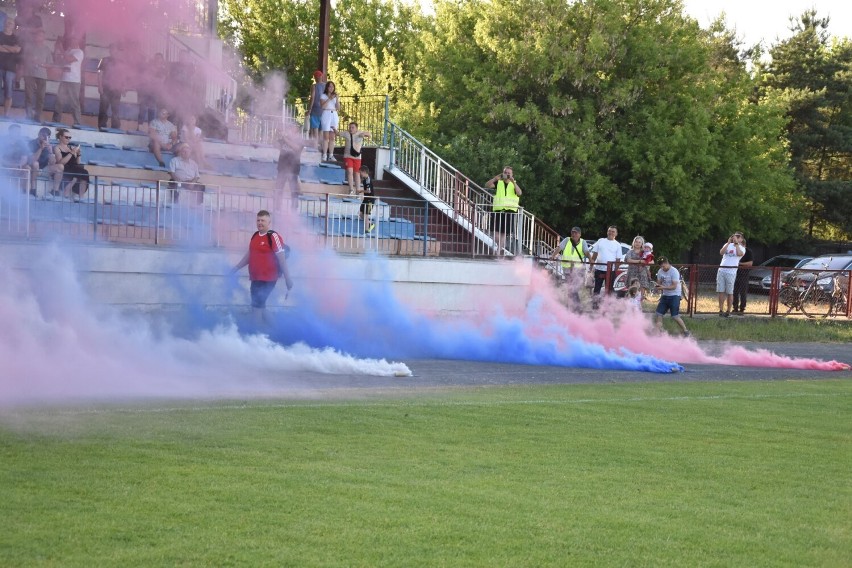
(732, 251)
(69, 87)
(184, 173)
(605, 250)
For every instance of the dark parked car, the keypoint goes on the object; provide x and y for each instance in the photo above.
(760, 276)
(833, 262)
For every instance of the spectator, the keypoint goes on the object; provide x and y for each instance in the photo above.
(10, 55)
(353, 141)
(507, 195)
(634, 294)
(28, 23)
(315, 108)
(163, 136)
(36, 58)
(69, 86)
(732, 251)
(184, 173)
(191, 134)
(14, 152)
(43, 158)
(648, 253)
(668, 281)
(267, 261)
(111, 72)
(575, 254)
(637, 268)
(151, 76)
(75, 177)
(605, 250)
(289, 163)
(330, 103)
(369, 199)
(741, 281)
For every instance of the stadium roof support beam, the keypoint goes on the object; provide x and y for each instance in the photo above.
(322, 56)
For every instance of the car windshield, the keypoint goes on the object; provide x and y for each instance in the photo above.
(828, 263)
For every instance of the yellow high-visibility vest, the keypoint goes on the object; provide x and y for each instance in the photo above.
(505, 198)
(572, 256)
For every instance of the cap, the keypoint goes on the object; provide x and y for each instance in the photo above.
(649, 245)
(576, 229)
(318, 73)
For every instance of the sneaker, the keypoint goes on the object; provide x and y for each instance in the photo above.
(686, 334)
(724, 314)
(76, 198)
(371, 227)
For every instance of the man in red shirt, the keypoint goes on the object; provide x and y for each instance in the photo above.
(266, 260)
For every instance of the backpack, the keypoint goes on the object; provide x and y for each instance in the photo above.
(269, 234)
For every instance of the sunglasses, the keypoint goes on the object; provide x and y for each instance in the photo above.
(67, 137)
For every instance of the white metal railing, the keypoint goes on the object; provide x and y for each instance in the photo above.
(461, 195)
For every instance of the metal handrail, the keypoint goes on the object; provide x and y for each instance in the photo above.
(464, 196)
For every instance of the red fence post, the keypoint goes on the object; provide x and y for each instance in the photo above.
(774, 290)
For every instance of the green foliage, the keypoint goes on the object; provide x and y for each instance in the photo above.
(812, 76)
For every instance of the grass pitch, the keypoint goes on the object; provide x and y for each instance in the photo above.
(654, 474)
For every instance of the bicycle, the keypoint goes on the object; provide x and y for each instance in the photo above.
(826, 296)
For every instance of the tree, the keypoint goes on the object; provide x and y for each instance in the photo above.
(611, 112)
(812, 76)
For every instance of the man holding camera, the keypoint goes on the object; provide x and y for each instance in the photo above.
(505, 207)
(732, 251)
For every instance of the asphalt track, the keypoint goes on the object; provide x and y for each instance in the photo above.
(435, 373)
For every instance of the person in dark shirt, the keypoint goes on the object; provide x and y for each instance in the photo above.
(369, 199)
(10, 55)
(741, 282)
(110, 87)
(43, 158)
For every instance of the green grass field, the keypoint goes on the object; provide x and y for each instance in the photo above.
(649, 474)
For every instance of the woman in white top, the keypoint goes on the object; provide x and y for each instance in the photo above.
(329, 121)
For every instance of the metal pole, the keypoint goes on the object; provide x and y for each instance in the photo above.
(322, 55)
(426, 229)
(95, 214)
(387, 121)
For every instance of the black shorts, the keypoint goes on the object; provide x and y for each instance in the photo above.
(260, 291)
(367, 205)
(504, 222)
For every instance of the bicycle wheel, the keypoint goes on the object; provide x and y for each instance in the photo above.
(684, 285)
(789, 297)
(816, 303)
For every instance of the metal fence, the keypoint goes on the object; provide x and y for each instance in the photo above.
(168, 213)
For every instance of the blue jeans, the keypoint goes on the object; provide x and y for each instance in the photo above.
(8, 79)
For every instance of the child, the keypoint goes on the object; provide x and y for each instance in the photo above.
(648, 253)
(369, 198)
(634, 294)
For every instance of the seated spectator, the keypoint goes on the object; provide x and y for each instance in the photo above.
(43, 158)
(110, 87)
(71, 61)
(13, 152)
(184, 173)
(163, 135)
(191, 134)
(10, 55)
(36, 58)
(75, 178)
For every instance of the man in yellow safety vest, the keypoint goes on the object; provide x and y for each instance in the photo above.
(575, 253)
(505, 207)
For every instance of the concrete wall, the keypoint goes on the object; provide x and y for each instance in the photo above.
(149, 278)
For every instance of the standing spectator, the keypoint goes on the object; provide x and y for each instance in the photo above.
(741, 282)
(36, 57)
(111, 73)
(184, 173)
(75, 176)
(507, 197)
(69, 86)
(575, 255)
(266, 260)
(10, 55)
(27, 22)
(289, 163)
(369, 199)
(732, 251)
(668, 280)
(315, 108)
(151, 76)
(637, 268)
(330, 103)
(604, 251)
(163, 135)
(43, 158)
(353, 140)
